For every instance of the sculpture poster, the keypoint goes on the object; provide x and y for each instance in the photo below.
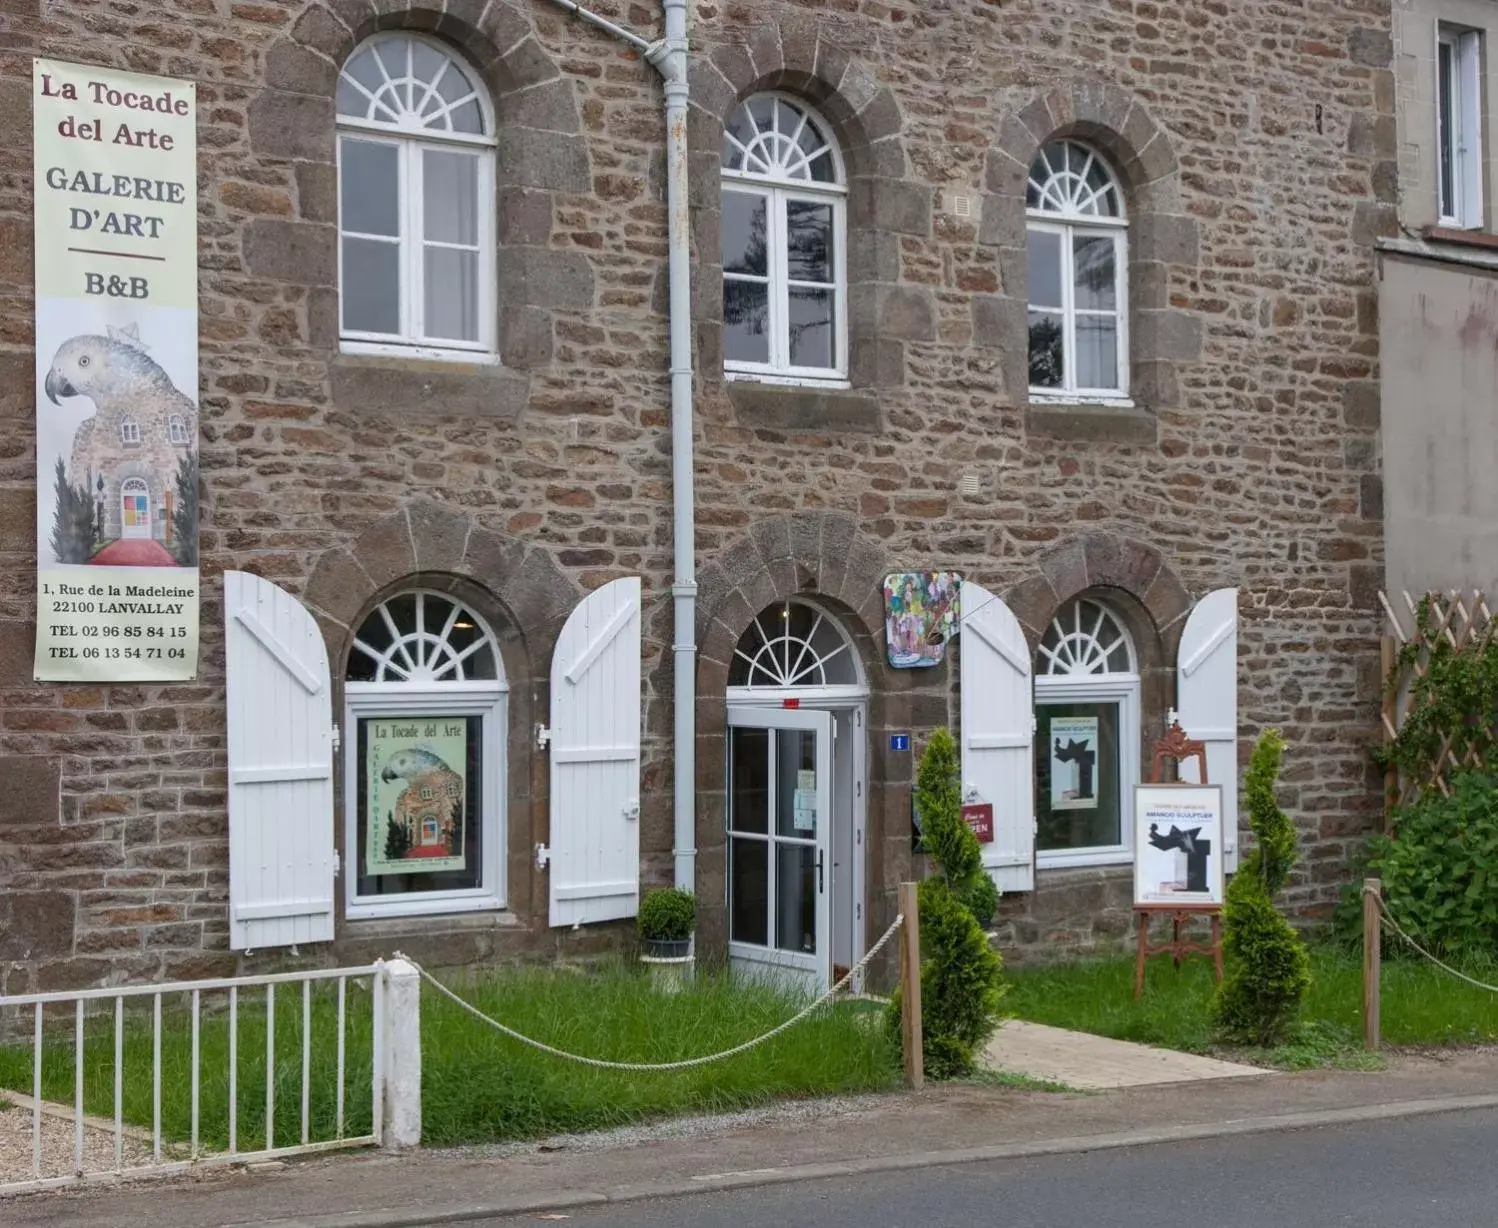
(1177, 845)
(416, 793)
(1074, 765)
(115, 166)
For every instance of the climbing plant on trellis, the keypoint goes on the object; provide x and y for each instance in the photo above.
(1440, 703)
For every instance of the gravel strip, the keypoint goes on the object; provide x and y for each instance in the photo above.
(57, 1147)
(701, 1126)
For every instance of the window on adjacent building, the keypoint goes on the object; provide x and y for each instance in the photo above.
(130, 432)
(1078, 260)
(1087, 740)
(424, 773)
(416, 200)
(1458, 135)
(784, 275)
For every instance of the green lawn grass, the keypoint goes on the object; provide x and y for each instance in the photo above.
(1421, 1005)
(478, 1086)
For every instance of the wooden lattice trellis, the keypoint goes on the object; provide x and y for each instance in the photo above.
(1464, 623)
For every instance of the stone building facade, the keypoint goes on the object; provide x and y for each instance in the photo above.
(1252, 146)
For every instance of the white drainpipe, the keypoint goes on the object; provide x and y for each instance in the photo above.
(669, 57)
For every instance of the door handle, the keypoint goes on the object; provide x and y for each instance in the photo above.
(820, 880)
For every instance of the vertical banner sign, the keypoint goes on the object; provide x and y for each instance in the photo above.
(116, 375)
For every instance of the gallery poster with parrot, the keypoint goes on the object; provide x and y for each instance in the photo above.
(116, 375)
(416, 794)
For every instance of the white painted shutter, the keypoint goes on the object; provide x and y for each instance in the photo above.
(1207, 701)
(998, 715)
(595, 759)
(281, 857)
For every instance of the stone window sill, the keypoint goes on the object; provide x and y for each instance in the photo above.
(1091, 423)
(418, 353)
(409, 385)
(395, 927)
(803, 409)
(1464, 238)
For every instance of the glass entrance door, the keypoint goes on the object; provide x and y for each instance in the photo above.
(779, 844)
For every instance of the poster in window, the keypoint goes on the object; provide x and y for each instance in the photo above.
(416, 785)
(1177, 845)
(1074, 755)
(920, 614)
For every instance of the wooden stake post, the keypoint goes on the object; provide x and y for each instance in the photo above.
(910, 987)
(1176, 746)
(1372, 959)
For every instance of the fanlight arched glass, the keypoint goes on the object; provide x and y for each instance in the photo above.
(411, 85)
(777, 138)
(794, 645)
(1070, 180)
(423, 637)
(1085, 638)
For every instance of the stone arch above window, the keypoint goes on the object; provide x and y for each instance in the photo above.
(1163, 241)
(793, 57)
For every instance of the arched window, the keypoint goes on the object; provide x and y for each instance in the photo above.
(784, 276)
(1077, 236)
(416, 199)
(176, 429)
(129, 432)
(1087, 743)
(794, 645)
(425, 694)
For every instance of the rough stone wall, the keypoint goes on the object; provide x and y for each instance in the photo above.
(1256, 142)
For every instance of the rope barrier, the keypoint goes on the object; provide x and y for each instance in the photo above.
(686, 1063)
(1383, 909)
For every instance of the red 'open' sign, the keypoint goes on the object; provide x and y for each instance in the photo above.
(980, 818)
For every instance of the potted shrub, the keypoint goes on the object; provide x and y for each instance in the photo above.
(667, 918)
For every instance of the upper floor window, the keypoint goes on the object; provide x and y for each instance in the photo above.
(1078, 261)
(416, 199)
(176, 429)
(1458, 135)
(129, 432)
(784, 280)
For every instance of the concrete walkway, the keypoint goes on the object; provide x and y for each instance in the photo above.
(1096, 1063)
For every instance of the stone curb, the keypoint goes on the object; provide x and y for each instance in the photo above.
(713, 1182)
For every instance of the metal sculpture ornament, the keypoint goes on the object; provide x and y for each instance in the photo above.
(116, 375)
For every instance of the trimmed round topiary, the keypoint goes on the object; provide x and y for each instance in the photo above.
(667, 914)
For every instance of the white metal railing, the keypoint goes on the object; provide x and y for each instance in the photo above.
(12, 1013)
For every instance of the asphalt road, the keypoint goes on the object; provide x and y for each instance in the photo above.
(1440, 1172)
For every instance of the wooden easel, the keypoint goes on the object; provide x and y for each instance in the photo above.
(1176, 746)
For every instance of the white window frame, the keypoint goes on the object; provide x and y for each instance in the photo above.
(778, 191)
(1069, 226)
(374, 700)
(412, 140)
(487, 699)
(176, 429)
(1122, 688)
(130, 432)
(1465, 211)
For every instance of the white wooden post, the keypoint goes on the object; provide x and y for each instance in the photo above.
(402, 1028)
